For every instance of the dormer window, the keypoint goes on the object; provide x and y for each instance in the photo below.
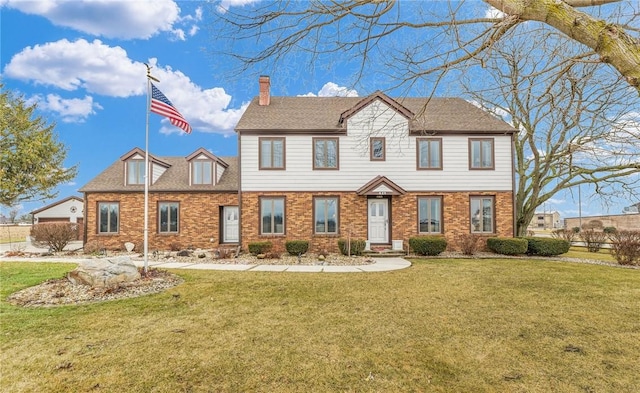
(202, 172)
(135, 172)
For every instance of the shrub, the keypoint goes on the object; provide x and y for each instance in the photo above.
(625, 247)
(593, 224)
(576, 229)
(175, 246)
(256, 248)
(594, 239)
(296, 247)
(428, 245)
(545, 246)
(469, 243)
(564, 234)
(507, 245)
(609, 230)
(54, 235)
(357, 246)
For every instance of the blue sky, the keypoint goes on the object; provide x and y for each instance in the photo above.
(83, 63)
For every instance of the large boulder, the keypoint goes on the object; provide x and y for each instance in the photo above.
(104, 273)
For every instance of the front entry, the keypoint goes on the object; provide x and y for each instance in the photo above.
(378, 221)
(230, 227)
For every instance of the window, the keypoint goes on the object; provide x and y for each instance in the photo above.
(377, 149)
(271, 153)
(430, 215)
(482, 214)
(108, 217)
(272, 216)
(135, 172)
(325, 153)
(168, 217)
(325, 215)
(481, 152)
(201, 172)
(429, 153)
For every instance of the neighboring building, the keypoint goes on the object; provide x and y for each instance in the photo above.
(629, 221)
(374, 168)
(544, 220)
(632, 209)
(70, 209)
(193, 201)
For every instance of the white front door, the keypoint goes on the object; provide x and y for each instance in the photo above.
(230, 227)
(378, 221)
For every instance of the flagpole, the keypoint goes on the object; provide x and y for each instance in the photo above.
(146, 172)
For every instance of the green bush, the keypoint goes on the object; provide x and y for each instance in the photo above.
(357, 246)
(428, 245)
(296, 247)
(545, 246)
(256, 248)
(507, 245)
(609, 230)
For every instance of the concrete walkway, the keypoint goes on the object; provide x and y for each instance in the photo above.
(379, 264)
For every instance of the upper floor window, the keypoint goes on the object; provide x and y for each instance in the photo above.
(325, 215)
(481, 153)
(108, 217)
(201, 172)
(430, 215)
(272, 154)
(325, 153)
(377, 149)
(482, 216)
(272, 216)
(168, 217)
(135, 172)
(429, 153)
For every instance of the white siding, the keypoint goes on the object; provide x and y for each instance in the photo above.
(356, 168)
(63, 209)
(156, 172)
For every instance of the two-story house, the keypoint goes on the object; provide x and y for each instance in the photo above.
(373, 168)
(319, 169)
(193, 201)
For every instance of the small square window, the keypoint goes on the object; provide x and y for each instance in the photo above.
(135, 172)
(481, 153)
(272, 153)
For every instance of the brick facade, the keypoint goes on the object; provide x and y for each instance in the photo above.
(199, 219)
(630, 222)
(353, 217)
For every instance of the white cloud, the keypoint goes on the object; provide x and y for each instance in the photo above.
(494, 13)
(72, 110)
(93, 66)
(100, 69)
(226, 4)
(108, 18)
(331, 89)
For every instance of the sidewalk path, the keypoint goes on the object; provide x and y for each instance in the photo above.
(379, 265)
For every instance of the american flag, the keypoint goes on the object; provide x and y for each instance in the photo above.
(161, 105)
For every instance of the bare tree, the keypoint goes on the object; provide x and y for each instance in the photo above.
(417, 39)
(576, 120)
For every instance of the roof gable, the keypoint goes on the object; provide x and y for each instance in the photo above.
(378, 95)
(138, 153)
(381, 185)
(54, 204)
(206, 153)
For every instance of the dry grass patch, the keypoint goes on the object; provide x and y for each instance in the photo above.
(439, 326)
(14, 233)
(581, 252)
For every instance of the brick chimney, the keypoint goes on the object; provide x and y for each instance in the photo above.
(265, 96)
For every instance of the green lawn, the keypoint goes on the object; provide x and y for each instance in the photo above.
(438, 326)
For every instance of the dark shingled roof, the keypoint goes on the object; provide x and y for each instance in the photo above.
(174, 179)
(323, 114)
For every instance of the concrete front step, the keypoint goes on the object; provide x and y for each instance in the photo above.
(384, 254)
